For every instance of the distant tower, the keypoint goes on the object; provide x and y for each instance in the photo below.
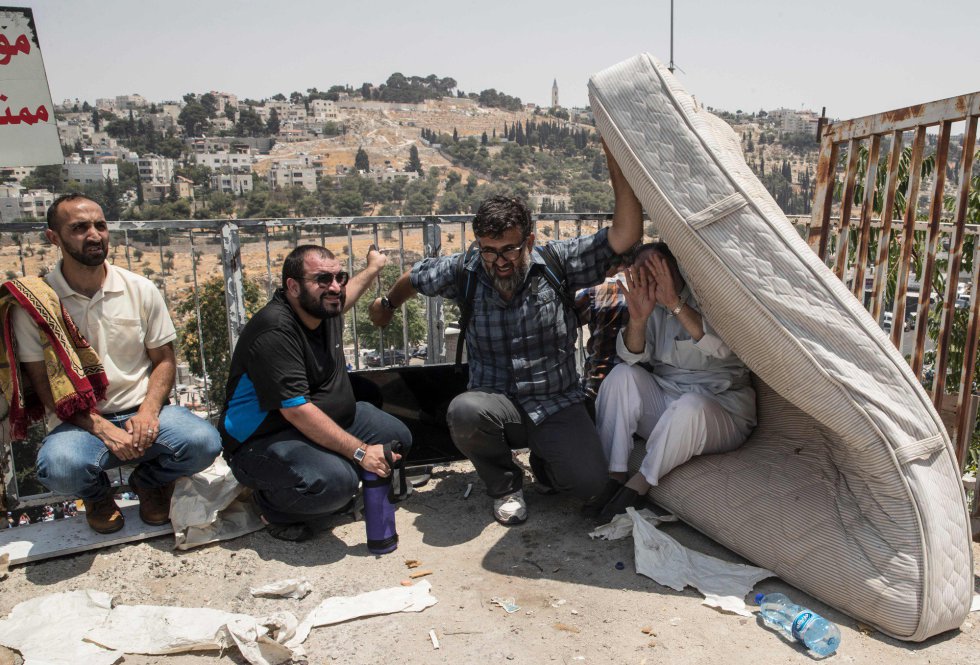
(554, 94)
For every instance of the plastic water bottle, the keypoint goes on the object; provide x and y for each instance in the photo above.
(819, 635)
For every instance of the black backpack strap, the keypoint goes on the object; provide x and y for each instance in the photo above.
(554, 272)
(465, 289)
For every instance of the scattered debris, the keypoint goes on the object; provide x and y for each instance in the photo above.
(648, 630)
(291, 588)
(540, 569)
(676, 621)
(566, 628)
(435, 640)
(574, 611)
(466, 492)
(412, 563)
(4, 565)
(865, 628)
(406, 582)
(620, 565)
(559, 602)
(509, 604)
(419, 573)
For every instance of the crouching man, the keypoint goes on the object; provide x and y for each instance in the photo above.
(291, 427)
(124, 318)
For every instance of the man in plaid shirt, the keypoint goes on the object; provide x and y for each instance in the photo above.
(524, 389)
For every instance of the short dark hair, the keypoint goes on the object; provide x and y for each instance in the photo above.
(293, 265)
(52, 214)
(658, 247)
(499, 213)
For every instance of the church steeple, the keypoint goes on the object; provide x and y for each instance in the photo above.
(554, 94)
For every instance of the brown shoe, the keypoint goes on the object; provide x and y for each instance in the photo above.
(154, 502)
(103, 515)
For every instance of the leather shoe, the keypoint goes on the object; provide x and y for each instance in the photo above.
(594, 506)
(625, 498)
(154, 501)
(103, 514)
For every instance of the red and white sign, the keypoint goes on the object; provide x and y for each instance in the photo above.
(28, 130)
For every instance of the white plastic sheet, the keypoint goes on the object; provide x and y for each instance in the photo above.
(667, 562)
(207, 507)
(291, 588)
(45, 642)
(98, 634)
(413, 598)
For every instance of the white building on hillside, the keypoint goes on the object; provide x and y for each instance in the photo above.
(154, 168)
(30, 204)
(90, 174)
(237, 184)
(231, 162)
(292, 172)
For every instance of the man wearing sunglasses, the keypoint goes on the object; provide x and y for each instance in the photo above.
(524, 389)
(291, 427)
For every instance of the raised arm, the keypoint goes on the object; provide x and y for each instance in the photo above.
(400, 291)
(360, 282)
(627, 225)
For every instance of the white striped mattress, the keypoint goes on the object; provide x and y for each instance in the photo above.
(848, 488)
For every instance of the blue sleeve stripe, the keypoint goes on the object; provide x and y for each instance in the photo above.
(293, 401)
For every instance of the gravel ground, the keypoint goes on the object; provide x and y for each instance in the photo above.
(575, 605)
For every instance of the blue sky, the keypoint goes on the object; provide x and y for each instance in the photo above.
(855, 57)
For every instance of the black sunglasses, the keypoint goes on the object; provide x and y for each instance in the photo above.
(325, 279)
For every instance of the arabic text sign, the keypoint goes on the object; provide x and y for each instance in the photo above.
(28, 131)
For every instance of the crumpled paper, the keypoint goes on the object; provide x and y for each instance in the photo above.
(43, 642)
(291, 588)
(667, 562)
(208, 507)
(95, 633)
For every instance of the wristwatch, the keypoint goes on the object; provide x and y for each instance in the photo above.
(359, 454)
(677, 310)
(387, 304)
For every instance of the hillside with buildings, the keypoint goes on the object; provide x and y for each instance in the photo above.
(409, 147)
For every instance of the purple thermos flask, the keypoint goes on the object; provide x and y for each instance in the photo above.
(379, 509)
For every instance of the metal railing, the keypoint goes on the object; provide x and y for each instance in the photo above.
(175, 254)
(910, 231)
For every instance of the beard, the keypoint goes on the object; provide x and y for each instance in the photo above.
(512, 282)
(316, 305)
(86, 256)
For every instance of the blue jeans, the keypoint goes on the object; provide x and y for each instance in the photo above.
(296, 480)
(74, 462)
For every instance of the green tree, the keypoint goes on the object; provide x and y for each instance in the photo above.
(414, 163)
(213, 334)
(272, 127)
(193, 118)
(45, 177)
(361, 161)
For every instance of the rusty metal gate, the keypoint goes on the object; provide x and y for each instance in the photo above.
(874, 225)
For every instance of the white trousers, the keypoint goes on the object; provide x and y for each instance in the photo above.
(676, 427)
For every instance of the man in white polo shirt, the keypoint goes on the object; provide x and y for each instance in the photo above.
(124, 318)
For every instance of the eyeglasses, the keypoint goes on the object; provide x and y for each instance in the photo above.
(325, 279)
(491, 255)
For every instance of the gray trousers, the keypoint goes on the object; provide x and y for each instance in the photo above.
(486, 426)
